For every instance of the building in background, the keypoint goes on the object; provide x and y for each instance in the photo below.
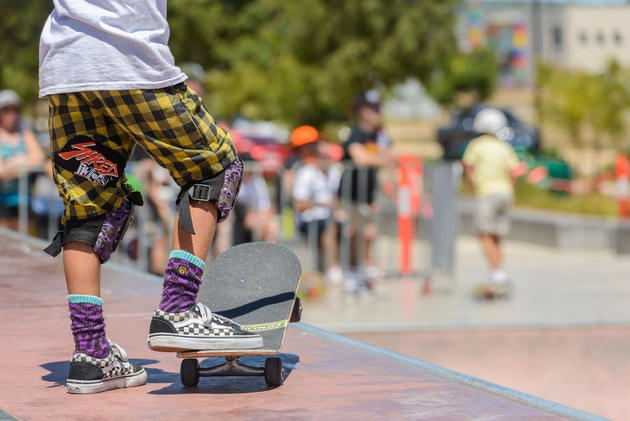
(582, 35)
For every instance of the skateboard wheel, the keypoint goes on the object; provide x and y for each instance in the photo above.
(189, 372)
(296, 314)
(274, 371)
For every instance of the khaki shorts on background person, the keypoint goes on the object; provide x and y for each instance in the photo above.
(493, 214)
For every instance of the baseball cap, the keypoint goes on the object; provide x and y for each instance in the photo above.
(303, 135)
(370, 98)
(9, 97)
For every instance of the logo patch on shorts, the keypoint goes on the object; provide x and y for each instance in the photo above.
(85, 157)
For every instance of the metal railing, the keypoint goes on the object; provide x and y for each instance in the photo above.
(433, 218)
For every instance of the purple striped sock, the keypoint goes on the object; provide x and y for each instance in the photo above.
(88, 329)
(181, 282)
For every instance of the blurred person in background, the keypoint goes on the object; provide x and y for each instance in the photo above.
(254, 215)
(19, 151)
(314, 189)
(367, 149)
(490, 165)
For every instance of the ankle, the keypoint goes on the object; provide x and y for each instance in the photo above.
(88, 325)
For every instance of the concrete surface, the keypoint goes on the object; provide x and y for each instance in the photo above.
(564, 335)
(329, 378)
(552, 287)
(586, 368)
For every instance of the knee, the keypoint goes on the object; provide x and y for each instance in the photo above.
(217, 192)
(103, 233)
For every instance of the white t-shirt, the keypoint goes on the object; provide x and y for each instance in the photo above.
(106, 44)
(313, 185)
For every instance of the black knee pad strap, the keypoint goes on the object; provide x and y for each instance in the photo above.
(103, 233)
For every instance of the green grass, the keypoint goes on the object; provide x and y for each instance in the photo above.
(531, 196)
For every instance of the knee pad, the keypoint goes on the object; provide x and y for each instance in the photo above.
(220, 190)
(112, 230)
(103, 232)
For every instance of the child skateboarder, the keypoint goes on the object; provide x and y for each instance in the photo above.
(111, 83)
(490, 164)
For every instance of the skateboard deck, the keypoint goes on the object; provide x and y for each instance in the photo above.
(255, 285)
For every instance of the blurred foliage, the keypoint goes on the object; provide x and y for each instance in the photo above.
(530, 196)
(21, 23)
(303, 61)
(294, 61)
(591, 108)
(474, 72)
(527, 195)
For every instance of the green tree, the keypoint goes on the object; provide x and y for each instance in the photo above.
(474, 72)
(591, 108)
(303, 61)
(293, 61)
(21, 22)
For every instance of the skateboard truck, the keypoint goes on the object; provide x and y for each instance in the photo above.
(273, 371)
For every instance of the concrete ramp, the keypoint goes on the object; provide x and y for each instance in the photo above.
(329, 377)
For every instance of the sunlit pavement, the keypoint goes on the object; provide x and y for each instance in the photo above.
(551, 288)
(564, 335)
(328, 377)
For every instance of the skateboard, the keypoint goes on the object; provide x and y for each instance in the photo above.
(255, 285)
(491, 291)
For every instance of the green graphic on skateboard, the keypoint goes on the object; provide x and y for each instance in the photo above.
(255, 285)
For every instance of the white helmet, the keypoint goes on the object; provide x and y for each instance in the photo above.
(490, 121)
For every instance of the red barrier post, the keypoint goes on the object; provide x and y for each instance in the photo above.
(622, 169)
(409, 194)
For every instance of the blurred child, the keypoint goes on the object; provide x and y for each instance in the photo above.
(314, 191)
(489, 164)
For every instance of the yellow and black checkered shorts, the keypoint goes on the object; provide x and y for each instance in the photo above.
(93, 133)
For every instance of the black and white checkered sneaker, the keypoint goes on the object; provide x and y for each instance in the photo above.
(92, 375)
(198, 329)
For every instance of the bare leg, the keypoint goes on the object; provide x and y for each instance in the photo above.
(204, 218)
(159, 255)
(82, 269)
(369, 235)
(10, 223)
(490, 245)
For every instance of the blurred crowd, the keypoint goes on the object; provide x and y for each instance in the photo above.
(318, 191)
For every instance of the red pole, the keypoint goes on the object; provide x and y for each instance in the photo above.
(622, 169)
(404, 216)
(409, 180)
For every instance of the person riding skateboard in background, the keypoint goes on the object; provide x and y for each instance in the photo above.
(111, 83)
(490, 165)
(367, 149)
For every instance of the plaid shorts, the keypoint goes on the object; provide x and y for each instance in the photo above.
(93, 133)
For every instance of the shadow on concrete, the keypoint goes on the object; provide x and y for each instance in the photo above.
(58, 372)
(229, 384)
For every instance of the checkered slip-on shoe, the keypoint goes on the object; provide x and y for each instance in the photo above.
(92, 375)
(198, 329)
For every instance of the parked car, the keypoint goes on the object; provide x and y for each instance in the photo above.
(455, 137)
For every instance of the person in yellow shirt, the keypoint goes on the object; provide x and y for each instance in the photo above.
(490, 164)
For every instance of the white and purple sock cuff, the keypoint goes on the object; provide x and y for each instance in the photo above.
(88, 299)
(189, 257)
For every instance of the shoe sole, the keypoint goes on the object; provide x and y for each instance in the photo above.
(175, 343)
(97, 386)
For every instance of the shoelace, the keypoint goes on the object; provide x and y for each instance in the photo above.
(208, 316)
(119, 351)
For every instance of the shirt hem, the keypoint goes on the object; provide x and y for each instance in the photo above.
(110, 86)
